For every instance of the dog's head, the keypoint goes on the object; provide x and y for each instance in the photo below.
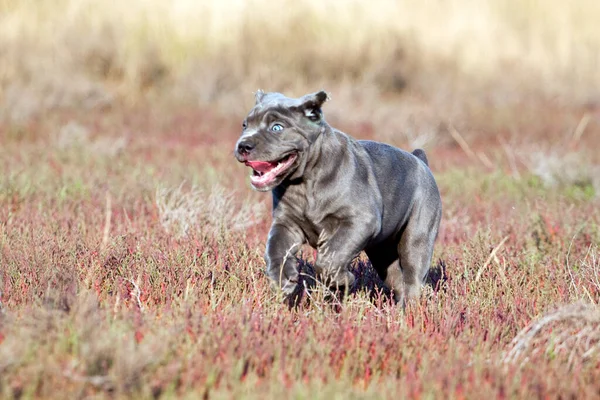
(276, 137)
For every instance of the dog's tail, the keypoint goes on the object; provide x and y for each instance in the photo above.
(420, 154)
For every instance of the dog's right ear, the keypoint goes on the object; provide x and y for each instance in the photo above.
(258, 96)
(311, 105)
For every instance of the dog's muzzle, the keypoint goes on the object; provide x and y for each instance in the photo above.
(244, 148)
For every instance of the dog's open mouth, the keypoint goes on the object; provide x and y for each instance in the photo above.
(265, 172)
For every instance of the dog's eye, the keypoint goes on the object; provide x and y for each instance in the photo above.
(277, 128)
(244, 125)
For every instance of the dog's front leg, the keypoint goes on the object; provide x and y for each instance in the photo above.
(282, 245)
(336, 251)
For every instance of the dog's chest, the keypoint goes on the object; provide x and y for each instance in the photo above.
(299, 207)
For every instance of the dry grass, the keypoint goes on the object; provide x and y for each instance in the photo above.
(557, 167)
(78, 52)
(210, 212)
(571, 333)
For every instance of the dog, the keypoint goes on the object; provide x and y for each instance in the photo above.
(340, 195)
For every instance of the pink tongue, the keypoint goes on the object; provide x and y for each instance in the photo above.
(261, 166)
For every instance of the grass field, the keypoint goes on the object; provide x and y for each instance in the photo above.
(131, 244)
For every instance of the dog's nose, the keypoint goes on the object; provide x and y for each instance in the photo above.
(245, 146)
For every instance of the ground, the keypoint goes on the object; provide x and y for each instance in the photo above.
(131, 250)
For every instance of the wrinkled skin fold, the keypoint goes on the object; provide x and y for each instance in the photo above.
(340, 195)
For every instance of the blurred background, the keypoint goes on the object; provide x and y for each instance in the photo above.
(405, 69)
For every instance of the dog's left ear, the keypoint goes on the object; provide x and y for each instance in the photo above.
(258, 96)
(311, 105)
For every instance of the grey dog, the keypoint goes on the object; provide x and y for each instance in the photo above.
(340, 195)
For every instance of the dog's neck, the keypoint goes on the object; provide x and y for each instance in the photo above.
(321, 157)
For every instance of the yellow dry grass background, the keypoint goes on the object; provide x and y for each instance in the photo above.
(72, 52)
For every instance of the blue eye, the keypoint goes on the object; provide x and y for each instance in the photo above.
(277, 128)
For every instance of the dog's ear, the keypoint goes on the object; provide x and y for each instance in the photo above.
(258, 96)
(311, 105)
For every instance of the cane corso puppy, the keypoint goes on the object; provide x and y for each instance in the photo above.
(340, 195)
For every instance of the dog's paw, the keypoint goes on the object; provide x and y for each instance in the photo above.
(341, 279)
(289, 286)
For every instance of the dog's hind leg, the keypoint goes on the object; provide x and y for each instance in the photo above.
(415, 249)
(384, 259)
